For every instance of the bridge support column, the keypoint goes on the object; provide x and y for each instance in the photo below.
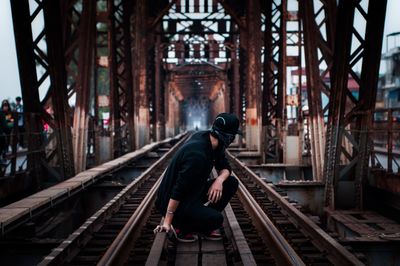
(159, 99)
(142, 114)
(314, 89)
(346, 168)
(55, 51)
(253, 82)
(85, 66)
(29, 87)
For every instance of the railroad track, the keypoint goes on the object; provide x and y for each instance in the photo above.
(86, 245)
(49, 227)
(119, 224)
(244, 242)
(260, 228)
(311, 243)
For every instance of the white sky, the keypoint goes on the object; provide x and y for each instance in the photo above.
(9, 79)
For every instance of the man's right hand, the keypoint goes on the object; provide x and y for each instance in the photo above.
(165, 227)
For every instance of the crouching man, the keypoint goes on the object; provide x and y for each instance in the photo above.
(189, 201)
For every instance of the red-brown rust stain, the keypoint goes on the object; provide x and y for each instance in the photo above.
(253, 122)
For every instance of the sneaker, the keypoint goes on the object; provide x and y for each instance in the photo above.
(214, 235)
(183, 237)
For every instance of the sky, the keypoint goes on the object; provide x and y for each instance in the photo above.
(9, 77)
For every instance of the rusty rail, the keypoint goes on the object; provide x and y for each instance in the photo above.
(80, 236)
(337, 253)
(282, 251)
(119, 249)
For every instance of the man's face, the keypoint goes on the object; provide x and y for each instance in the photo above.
(226, 139)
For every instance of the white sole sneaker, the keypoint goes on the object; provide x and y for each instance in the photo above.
(183, 240)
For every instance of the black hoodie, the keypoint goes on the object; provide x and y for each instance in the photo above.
(189, 170)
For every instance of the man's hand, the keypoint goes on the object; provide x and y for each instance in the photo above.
(215, 191)
(165, 227)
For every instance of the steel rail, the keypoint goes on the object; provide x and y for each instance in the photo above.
(119, 249)
(337, 253)
(239, 240)
(238, 237)
(81, 235)
(157, 248)
(281, 250)
(96, 173)
(283, 253)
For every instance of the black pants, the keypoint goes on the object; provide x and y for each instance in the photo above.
(204, 219)
(3, 144)
(21, 133)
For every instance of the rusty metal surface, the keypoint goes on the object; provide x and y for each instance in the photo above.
(148, 96)
(348, 143)
(58, 78)
(29, 86)
(282, 251)
(338, 254)
(315, 86)
(273, 81)
(83, 234)
(86, 44)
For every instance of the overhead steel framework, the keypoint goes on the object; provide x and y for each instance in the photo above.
(109, 76)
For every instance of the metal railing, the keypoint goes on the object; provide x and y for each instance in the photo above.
(385, 137)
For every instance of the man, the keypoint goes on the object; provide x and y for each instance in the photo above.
(21, 129)
(3, 140)
(186, 198)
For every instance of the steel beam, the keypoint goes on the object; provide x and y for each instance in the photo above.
(115, 109)
(274, 83)
(337, 99)
(128, 74)
(29, 87)
(253, 77)
(159, 100)
(114, 42)
(267, 93)
(58, 79)
(236, 77)
(368, 88)
(350, 117)
(315, 86)
(142, 114)
(85, 66)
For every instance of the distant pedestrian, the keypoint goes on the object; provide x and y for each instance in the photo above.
(3, 139)
(6, 108)
(19, 108)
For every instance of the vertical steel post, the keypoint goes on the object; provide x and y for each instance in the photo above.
(128, 75)
(390, 141)
(267, 93)
(85, 65)
(338, 98)
(29, 86)
(159, 114)
(236, 77)
(115, 112)
(253, 81)
(314, 84)
(58, 78)
(282, 83)
(274, 81)
(142, 114)
(350, 117)
(368, 88)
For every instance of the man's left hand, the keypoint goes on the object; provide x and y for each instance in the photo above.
(215, 191)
